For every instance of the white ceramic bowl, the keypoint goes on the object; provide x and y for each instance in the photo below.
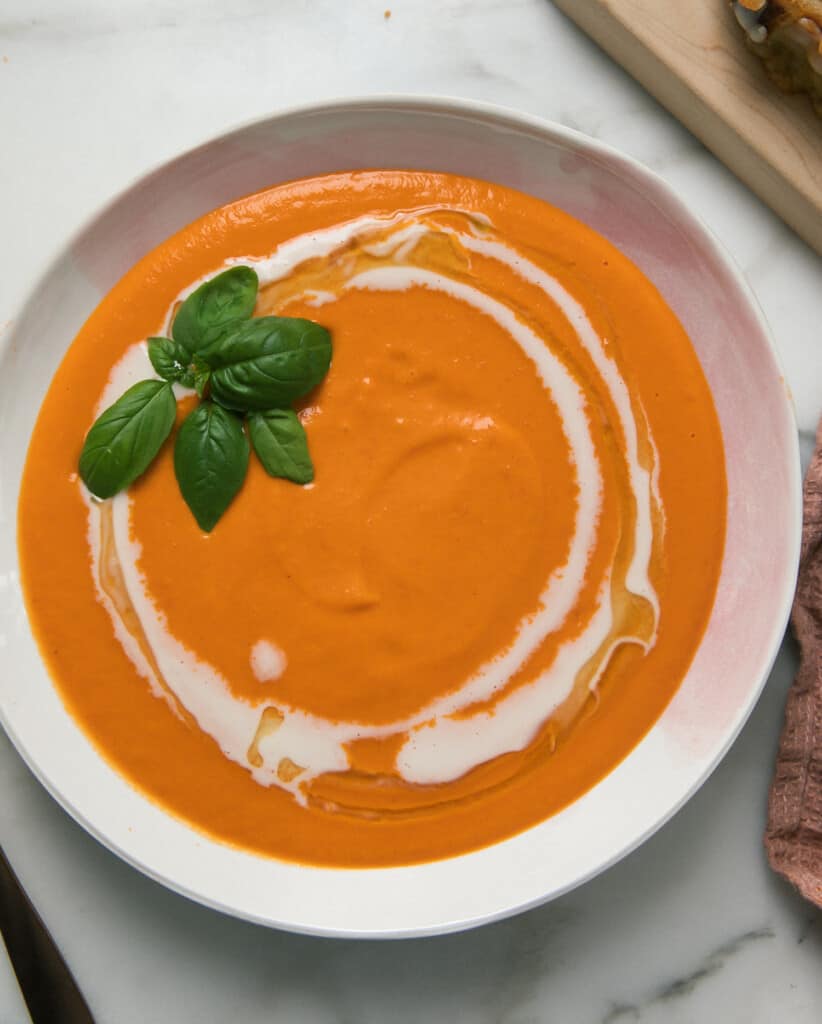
(646, 220)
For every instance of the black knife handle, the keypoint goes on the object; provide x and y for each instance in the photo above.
(51, 993)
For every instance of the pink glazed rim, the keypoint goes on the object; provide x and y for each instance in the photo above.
(636, 210)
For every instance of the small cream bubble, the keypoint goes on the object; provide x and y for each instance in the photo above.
(267, 661)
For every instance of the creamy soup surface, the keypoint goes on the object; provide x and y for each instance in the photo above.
(490, 591)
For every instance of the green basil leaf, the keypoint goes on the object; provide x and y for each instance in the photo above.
(125, 438)
(210, 461)
(224, 299)
(279, 440)
(170, 360)
(268, 362)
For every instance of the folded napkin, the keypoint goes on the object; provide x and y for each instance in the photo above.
(793, 838)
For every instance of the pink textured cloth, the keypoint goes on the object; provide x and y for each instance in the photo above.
(793, 838)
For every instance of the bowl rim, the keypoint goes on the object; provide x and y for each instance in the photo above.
(499, 115)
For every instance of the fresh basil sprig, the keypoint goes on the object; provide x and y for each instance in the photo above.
(246, 371)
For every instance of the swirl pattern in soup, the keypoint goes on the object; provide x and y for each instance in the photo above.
(488, 594)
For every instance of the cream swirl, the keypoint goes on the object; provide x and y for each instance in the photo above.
(288, 747)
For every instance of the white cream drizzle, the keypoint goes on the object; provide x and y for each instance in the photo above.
(439, 747)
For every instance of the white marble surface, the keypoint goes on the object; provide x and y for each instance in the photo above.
(693, 927)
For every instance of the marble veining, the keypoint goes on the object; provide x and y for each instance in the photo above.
(690, 928)
(682, 987)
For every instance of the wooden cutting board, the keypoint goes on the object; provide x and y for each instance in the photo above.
(691, 55)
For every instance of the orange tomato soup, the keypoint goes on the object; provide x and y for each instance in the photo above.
(489, 593)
